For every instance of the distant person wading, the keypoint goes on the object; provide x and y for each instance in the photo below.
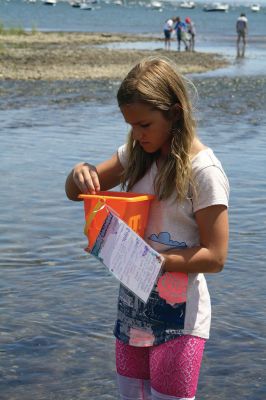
(168, 28)
(192, 32)
(241, 30)
(181, 33)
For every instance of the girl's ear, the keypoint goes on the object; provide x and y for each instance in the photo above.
(175, 112)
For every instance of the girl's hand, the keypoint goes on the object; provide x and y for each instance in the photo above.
(86, 178)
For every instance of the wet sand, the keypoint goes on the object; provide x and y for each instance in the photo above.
(67, 56)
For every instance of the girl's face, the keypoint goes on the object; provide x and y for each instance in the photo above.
(149, 127)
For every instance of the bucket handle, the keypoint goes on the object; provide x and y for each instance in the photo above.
(99, 206)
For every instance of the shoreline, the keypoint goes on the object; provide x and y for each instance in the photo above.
(75, 56)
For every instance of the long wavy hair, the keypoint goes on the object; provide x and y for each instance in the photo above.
(155, 82)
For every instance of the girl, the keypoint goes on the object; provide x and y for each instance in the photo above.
(159, 344)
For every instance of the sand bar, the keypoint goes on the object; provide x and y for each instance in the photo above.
(67, 56)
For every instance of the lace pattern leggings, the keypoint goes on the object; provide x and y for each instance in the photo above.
(170, 369)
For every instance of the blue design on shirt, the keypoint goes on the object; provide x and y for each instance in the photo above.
(165, 238)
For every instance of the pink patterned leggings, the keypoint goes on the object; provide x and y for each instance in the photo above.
(157, 372)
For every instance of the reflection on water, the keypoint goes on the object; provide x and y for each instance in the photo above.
(57, 303)
(254, 62)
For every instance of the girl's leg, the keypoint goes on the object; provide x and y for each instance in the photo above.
(175, 367)
(133, 376)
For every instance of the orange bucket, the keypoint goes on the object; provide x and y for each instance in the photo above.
(132, 208)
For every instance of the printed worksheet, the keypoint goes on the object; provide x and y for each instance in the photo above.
(130, 259)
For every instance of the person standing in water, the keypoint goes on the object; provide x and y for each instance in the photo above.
(241, 30)
(159, 344)
(192, 32)
(181, 33)
(167, 29)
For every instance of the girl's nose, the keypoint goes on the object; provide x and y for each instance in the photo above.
(137, 133)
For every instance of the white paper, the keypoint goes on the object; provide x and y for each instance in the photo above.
(130, 259)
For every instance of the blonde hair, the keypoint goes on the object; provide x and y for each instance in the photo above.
(154, 81)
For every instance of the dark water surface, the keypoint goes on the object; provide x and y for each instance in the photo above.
(57, 303)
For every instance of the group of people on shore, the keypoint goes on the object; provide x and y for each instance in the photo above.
(185, 33)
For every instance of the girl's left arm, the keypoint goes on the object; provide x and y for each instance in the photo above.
(210, 255)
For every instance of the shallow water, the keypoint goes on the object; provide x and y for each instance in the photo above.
(57, 303)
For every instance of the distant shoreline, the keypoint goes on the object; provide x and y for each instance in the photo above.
(75, 56)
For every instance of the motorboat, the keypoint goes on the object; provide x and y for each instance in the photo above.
(255, 7)
(83, 4)
(216, 7)
(118, 2)
(49, 2)
(75, 4)
(156, 5)
(86, 5)
(187, 4)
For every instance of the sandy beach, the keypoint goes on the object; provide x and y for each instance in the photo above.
(64, 56)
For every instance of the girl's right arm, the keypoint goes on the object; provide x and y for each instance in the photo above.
(88, 179)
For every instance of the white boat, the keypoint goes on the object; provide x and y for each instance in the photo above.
(118, 2)
(255, 7)
(187, 4)
(49, 2)
(216, 7)
(75, 4)
(156, 5)
(85, 5)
